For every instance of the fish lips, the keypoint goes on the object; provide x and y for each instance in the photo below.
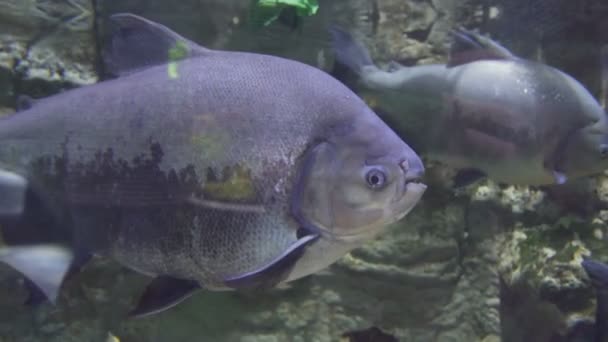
(413, 191)
(413, 188)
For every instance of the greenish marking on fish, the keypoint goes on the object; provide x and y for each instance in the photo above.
(210, 144)
(236, 184)
(176, 53)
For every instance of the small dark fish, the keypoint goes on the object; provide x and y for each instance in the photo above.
(204, 169)
(598, 272)
(486, 112)
(373, 334)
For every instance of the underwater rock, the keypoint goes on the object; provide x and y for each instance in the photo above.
(45, 46)
(407, 31)
(517, 198)
(602, 188)
(543, 287)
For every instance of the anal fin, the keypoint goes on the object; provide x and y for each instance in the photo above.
(163, 293)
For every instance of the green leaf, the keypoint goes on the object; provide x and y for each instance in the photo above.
(305, 7)
(267, 11)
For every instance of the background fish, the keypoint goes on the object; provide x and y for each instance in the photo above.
(598, 273)
(486, 112)
(204, 169)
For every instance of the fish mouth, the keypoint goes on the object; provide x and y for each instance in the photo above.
(413, 173)
(413, 187)
(413, 170)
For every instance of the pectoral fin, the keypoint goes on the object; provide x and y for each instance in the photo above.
(44, 265)
(273, 273)
(163, 293)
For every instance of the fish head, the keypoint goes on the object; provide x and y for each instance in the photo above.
(362, 178)
(585, 151)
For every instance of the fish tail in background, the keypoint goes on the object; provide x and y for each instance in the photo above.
(598, 272)
(604, 67)
(349, 52)
(28, 226)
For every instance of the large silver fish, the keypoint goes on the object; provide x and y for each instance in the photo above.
(205, 169)
(486, 112)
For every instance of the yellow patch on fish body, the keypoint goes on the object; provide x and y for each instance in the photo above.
(210, 144)
(236, 184)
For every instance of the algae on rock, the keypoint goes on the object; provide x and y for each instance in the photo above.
(46, 46)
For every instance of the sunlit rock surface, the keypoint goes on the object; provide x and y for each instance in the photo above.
(45, 46)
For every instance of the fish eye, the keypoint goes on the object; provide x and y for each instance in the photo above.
(375, 178)
(604, 150)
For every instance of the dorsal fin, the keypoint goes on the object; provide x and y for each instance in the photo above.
(137, 43)
(468, 46)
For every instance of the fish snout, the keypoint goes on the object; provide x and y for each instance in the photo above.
(413, 170)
